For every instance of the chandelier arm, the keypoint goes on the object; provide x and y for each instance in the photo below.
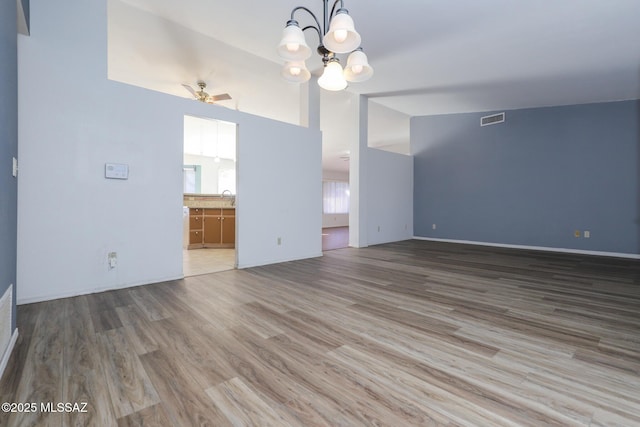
(310, 13)
(317, 31)
(333, 8)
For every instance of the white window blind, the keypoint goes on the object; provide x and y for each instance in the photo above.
(335, 197)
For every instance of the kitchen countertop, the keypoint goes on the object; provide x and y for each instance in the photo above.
(208, 201)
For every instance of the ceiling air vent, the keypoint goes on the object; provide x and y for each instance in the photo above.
(492, 119)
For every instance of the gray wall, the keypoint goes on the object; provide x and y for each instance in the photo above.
(8, 146)
(533, 180)
(25, 9)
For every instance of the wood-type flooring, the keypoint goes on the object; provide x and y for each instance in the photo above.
(335, 238)
(411, 333)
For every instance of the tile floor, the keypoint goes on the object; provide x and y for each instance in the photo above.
(204, 261)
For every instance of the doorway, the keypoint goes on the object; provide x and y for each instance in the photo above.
(335, 210)
(209, 196)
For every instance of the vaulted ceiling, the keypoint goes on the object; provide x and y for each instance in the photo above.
(430, 56)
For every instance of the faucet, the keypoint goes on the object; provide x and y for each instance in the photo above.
(233, 199)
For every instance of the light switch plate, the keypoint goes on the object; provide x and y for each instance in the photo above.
(15, 167)
(116, 171)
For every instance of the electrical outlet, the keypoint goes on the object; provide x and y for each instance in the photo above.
(279, 241)
(586, 234)
(15, 167)
(112, 260)
(433, 226)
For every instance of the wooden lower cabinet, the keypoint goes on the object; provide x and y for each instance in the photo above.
(195, 239)
(228, 227)
(212, 228)
(196, 227)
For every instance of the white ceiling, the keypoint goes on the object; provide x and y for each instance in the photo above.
(429, 56)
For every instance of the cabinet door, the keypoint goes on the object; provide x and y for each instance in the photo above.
(195, 237)
(195, 223)
(229, 229)
(212, 229)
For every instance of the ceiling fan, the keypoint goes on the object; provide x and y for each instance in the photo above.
(203, 96)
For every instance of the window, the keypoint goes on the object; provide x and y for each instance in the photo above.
(335, 197)
(226, 180)
(191, 179)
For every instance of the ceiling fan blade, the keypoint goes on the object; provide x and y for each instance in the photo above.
(191, 90)
(220, 97)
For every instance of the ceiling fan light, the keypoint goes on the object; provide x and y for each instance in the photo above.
(293, 46)
(358, 68)
(295, 72)
(332, 78)
(342, 36)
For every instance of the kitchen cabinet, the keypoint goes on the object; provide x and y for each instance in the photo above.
(228, 227)
(196, 228)
(212, 228)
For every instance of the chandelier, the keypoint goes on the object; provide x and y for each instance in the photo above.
(337, 35)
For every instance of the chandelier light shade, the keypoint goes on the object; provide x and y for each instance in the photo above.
(293, 46)
(332, 78)
(336, 35)
(342, 36)
(295, 72)
(358, 68)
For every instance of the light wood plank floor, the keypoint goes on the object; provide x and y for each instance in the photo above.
(403, 334)
(335, 238)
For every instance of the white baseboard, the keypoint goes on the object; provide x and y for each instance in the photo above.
(277, 261)
(77, 293)
(8, 351)
(534, 248)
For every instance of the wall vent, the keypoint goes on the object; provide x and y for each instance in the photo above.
(492, 119)
(5, 319)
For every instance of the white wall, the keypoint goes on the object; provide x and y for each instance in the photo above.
(280, 177)
(388, 129)
(381, 182)
(339, 125)
(390, 202)
(72, 120)
(335, 220)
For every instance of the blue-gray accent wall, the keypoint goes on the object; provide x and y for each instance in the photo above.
(8, 146)
(27, 12)
(533, 180)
